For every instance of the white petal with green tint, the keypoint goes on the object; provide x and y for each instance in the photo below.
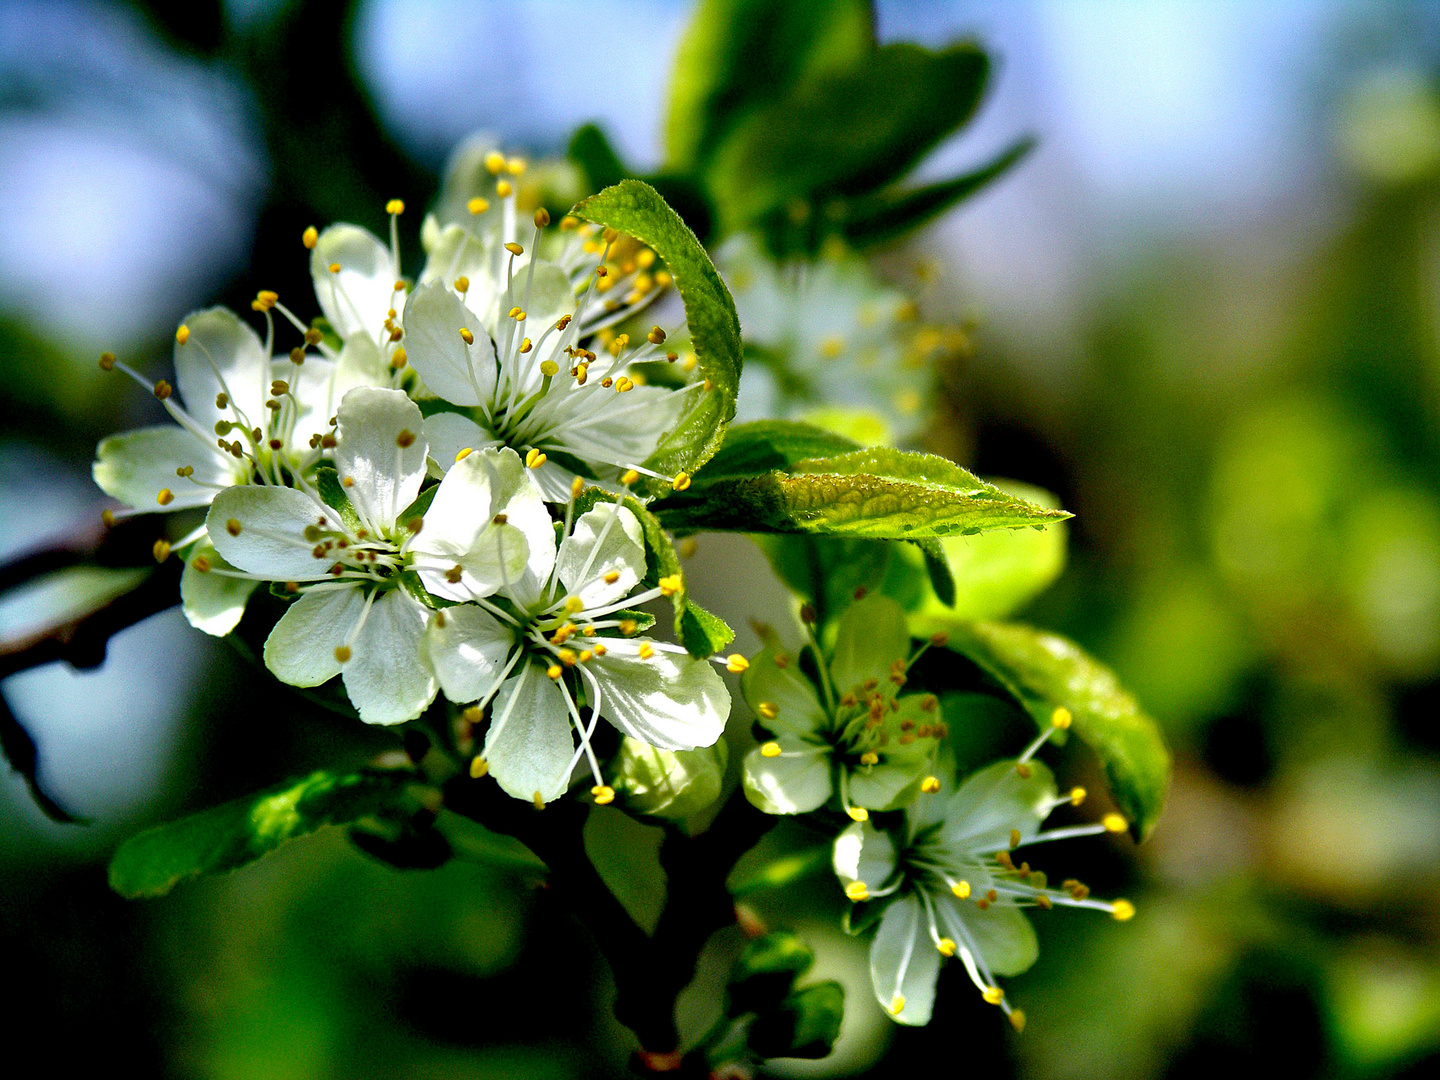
(461, 374)
(994, 801)
(467, 649)
(864, 853)
(774, 679)
(380, 453)
(1000, 933)
(356, 297)
(605, 541)
(385, 677)
(670, 700)
(448, 433)
(221, 354)
(904, 962)
(262, 531)
(301, 648)
(135, 466)
(529, 744)
(796, 781)
(212, 602)
(872, 634)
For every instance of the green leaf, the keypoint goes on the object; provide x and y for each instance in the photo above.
(993, 573)
(846, 132)
(703, 634)
(773, 444)
(591, 150)
(332, 494)
(636, 208)
(877, 493)
(737, 55)
(765, 971)
(891, 213)
(1044, 672)
(235, 833)
(786, 870)
(805, 1025)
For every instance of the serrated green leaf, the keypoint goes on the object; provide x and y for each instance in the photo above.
(591, 150)
(1045, 671)
(235, 833)
(846, 132)
(893, 212)
(773, 444)
(737, 55)
(634, 207)
(877, 493)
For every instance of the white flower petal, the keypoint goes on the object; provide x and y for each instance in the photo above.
(796, 782)
(455, 252)
(467, 649)
(135, 466)
(262, 531)
(544, 298)
(461, 374)
(380, 444)
(464, 504)
(301, 649)
(385, 677)
(530, 741)
(222, 355)
(904, 962)
(492, 561)
(797, 706)
(994, 801)
(320, 385)
(606, 540)
(598, 425)
(872, 635)
(357, 297)
(212, 602)
(671, 700)
(864, 853)
(448, 433)
(1001, 933)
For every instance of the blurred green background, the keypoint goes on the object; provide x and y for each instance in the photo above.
(1206, 313)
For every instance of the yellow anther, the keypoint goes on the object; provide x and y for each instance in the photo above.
(624, 385)
(395, 206)
(646, 651)
(342, 653)
(504, 189)
(961, 889)
(573, 604)
(549, 368)
(554, 671)
(463, 454)
(1122, 910)
(670, 585)
(534, 458)
(542, 218)
(161, 550)
(869, 757)
(612, 577)
(681, 481)
(313, 336)
(473, 714)
(201, 564)
(107, 361)
(538, 800)
(515, 312)
(858, 813)
(1114, 823)
(857, 891)
(1061, 718)
(165, 497)
(526, 345)
(495, 162)
(462, 284)
(735, 663)
(466, 336)
(310, 237)
(946, 946)
(514, 249)
(603, 793)
(182, 335)
(1017, 1019)
(629, 476)
(599, 649)
(264, 300)
(897, 1005)
(405, 439)
(569, 221)
(399, 358)
(334, 268)
(656, 336)
(1023, 770)
(832, 347)
(993, 995)
(1077, 796)
(477, 205)
(478, 766)
(770, 749)
(515, 166)
(1014, 839)
(581, 372)
(567, 657)
(767, 710)
(577, 486)
(930, 785)
(233, 527)
(163, 390)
